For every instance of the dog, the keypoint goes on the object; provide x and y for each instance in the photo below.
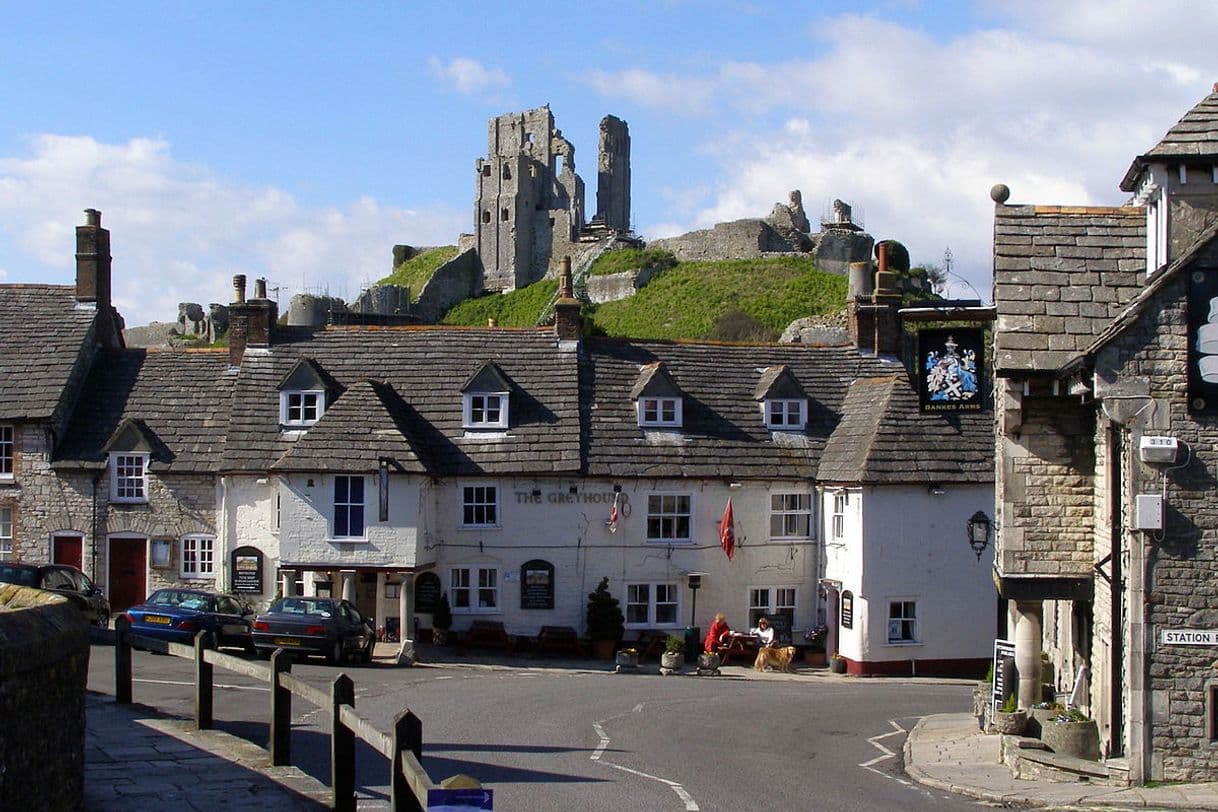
(780, 658)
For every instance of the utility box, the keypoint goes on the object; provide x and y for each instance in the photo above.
(1158, 449)
(1148, 511)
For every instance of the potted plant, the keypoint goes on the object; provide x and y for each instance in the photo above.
(627, 658)
(605, 621)
(1071, 733)
(815, 637)
(1010, 720)
(441, 621)
(837, 664)
(674, 653)
(1041, 714)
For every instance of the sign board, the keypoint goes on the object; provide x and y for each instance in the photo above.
(1002, 650)
(460, 800)
(426, 593)
(847, 611)
(537, 585)
(247, 570)
(1203, 341)
(781, 624)
(951, 366)
(1190, 637)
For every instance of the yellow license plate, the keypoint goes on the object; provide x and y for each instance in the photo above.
(164, 621)
(286, 641)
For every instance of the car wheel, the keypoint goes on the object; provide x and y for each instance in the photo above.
(336, 653)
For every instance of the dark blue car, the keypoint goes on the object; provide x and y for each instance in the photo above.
(327, 627)
(179, 614)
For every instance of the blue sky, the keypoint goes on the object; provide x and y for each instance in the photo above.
(301, 141)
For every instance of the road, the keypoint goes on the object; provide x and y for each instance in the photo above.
(562, 739)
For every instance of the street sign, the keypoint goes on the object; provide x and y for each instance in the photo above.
(1190, 637)
(460, 800)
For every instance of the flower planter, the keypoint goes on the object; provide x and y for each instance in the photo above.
(671, 661)
(1039, 717)
(1078, 739)
(628, 659)
(708, 662)
(837, 665)
(1010, 724)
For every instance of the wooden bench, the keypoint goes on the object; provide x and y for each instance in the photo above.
(487, 634)
(559, 640)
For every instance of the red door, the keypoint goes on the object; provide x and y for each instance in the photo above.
(66, 550)
(128, 573)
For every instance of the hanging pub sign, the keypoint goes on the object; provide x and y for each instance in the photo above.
(847, 612)
(247, 570)
(951, 362)
(537, 585)
(1203, 341)
(426, 593)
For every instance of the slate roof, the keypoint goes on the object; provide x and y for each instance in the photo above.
(178, 397)
(42, 335)
(883, 438)
(1195, 135)
(427, 368)
(1061, 274)
(723, 433)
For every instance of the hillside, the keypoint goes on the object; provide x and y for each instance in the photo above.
(415, 271)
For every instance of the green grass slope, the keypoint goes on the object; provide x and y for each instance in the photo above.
(520, 308)
(415, 271)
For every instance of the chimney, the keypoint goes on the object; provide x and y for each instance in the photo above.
(861, 279)
(93, 277)
(566, 308)
(886, 300)
(250, 323)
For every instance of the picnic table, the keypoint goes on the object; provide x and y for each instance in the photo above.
(741, 644)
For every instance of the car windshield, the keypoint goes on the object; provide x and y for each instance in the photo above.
(180, 599)
(304, 606)
(24, 576)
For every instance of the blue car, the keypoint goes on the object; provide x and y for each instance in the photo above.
(179, 614)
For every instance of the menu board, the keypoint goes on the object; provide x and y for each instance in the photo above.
(426, 593)
(537, 585)
(247, 570)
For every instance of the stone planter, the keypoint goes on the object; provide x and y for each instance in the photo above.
(671, 661)
(837, 665)
(1039, 717)
(983, 702)
(1010, 724)
(1078, 739)
(627, 659)
(708, 664)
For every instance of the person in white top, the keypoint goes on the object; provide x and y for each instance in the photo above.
(763, 633)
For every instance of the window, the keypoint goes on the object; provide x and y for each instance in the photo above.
(301, 408)
(348, 507)
(198, 557)
(651, 604)
(903, 622)
(838, 528)
(786, 415)
(6, 452)
(479, 506)
(6, 533)
(659, 411)
(772, 601)
(790, 515)
(129, 477)
(486, 410)
(474, 589)
(668, 517)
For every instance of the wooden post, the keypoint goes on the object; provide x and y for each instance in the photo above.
(407, 735)
(342, 746)
(280, 744)
(122, 660)
(203, 682)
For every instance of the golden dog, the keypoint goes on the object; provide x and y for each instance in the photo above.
(778, 657)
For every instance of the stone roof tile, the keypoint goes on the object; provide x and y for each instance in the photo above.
(44, 335)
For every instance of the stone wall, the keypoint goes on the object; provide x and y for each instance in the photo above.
(44, 664)
(615, 286)
(453, 282)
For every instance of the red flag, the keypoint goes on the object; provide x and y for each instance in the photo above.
(613, 515)
(727, 534)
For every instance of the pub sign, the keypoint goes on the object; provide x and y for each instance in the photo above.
(537, 585)
(426, 593)
(951, 366)
(1203, 341)
(247, 570)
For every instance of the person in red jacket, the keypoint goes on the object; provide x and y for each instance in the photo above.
(719, 631)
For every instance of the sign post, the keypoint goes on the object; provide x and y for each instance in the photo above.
(1003, 649)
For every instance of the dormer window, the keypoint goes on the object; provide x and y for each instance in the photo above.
(304, 394)
(301, 409)
(786, 414)
(485, 399)
(128, 477)
(660, 412)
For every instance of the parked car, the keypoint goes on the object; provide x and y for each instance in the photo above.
(62, 580)
(179, 614)
(323, 626)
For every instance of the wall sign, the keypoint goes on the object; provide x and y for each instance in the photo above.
(951, 363)
(247, 570)
(426, 593)
(1190, 637)
(1203, 341)
(1003, 650)
(537, 585)
(847, 611)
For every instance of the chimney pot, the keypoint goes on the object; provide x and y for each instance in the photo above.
(239, 288)
(92, 217)
(882, 253)
(565, 286)
(259, 288)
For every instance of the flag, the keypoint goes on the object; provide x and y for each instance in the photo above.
(613, 514)
(727, 534)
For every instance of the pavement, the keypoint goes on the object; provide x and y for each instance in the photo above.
(137, 758)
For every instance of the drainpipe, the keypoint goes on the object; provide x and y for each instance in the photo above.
(93, 528)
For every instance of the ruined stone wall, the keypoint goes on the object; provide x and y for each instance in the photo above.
(613, 174)
(44, 664)
(453, 282)
(307, 310)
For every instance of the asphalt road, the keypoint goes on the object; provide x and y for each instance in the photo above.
(563, 739)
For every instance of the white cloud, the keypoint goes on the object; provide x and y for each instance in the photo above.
(671, 93)
(179, 233)
(468, 75)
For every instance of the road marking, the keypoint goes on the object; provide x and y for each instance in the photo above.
(690, 804)
(874, 741)
(192, 684)
(637, 708)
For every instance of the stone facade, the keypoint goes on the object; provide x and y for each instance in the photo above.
(613, 175)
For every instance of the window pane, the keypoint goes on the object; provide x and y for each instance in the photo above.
(6, 450)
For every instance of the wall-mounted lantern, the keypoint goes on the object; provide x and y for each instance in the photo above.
(978, 533)
(695, 583)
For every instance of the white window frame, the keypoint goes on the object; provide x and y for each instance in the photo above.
(476, 410)
(478, 497)
(349, 504)
(652, 412)
(908, 615)
(6, 533)
(198, 559)
(8, 451)
(669, 511)
(123, 484)
(784, 513)
(773, 600)
(313, 400)
(837, 520)
(469, 581)
(647, 596)
(786, 414)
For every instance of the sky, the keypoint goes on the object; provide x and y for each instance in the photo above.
(300, 142)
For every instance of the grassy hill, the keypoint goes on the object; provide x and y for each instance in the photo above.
(415, 271)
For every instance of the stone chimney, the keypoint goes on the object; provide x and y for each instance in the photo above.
(93, 276)
(886, 299)
(566, 308)
(251, 324)
(861, 281)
